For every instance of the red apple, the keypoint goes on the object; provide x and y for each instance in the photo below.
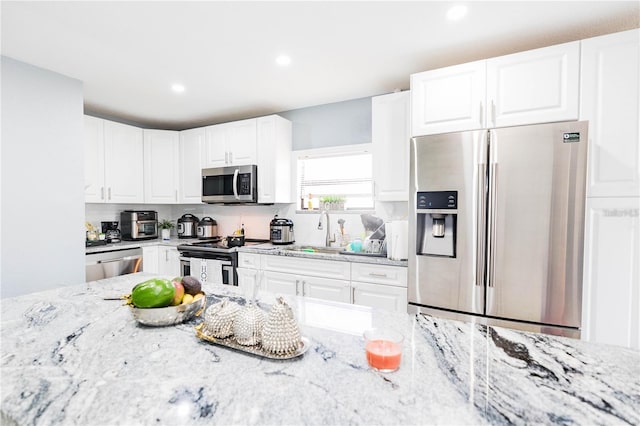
(177, 299)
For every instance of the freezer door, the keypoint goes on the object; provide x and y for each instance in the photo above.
(439, 277)
(537, 177)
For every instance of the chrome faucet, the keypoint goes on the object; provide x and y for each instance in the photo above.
(328, 239)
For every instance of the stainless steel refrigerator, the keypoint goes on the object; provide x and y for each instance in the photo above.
(496, 226)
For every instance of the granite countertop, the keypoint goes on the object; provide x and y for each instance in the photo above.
(71, 358)
(266, 248)
(280, 250)
(123, 245)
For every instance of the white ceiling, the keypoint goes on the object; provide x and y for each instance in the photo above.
(128, 54)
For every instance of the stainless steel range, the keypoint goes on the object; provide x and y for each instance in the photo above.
(211, 261)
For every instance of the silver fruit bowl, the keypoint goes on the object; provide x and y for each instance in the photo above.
(171, 315)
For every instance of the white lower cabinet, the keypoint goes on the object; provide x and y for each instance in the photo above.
(379, 286)
(379, 296)
(309, 286)
(373, 285)
(161, 260)
(611, 293)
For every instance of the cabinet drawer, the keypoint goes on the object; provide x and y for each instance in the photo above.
(379, 274)
(307, 267)
(249, 260)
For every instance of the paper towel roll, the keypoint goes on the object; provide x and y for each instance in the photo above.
(401, 238)
(397, 239)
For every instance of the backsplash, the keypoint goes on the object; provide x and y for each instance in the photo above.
(255, 218)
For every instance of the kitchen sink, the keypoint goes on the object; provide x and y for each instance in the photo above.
(314, 249)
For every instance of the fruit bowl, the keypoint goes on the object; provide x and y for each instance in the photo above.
(170, 315)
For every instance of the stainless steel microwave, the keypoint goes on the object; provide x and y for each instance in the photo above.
(230, 185)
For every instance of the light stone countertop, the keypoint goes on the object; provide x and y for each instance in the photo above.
(266, 248)
(281, 250)
(71, 358)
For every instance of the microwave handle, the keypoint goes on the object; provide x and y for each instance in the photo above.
(235, 183)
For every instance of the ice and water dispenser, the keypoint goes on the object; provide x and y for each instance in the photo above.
(436, 223)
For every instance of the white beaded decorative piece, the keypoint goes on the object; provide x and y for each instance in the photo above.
(248, 325)
(219, 319)
(280, 334)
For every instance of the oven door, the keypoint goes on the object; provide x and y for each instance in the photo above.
(219, 270)
(230, 185)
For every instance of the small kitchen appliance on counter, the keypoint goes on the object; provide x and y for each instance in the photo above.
(207, 228)
(188, 226)
(111, 231)
(139, 225)
(281, 231)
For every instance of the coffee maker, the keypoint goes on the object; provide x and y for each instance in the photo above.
(111, 232)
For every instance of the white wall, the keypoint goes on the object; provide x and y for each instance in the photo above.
(41, 224)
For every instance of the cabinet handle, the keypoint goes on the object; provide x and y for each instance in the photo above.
(176, 195)
(493, 113)
(481, 115)
(353, 295)
(166, 256)
(297, 292)
(109, 193)
(303, 288)
(226, 158)
(102, 192)
(375, 274)
(230, 157)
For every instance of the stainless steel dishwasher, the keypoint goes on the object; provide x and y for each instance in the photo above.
(107, 264)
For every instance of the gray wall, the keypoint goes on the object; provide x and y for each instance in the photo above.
(42, 158)
(340, 123)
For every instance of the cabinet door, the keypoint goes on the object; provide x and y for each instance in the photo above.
(190, 180)
(448, 99)
(610, 94)
(274, 160)
(150, 259)
(326, 289)
(280, 283)
(390, 139)
(241, 142)
(168, 261)
(94, 187)
(161, 163)
(611, 294)
(536, 86)
(123, 163)
(380, 296)
(248, 280)
(215, 152)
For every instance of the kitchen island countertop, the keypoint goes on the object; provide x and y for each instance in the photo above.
(69, 357)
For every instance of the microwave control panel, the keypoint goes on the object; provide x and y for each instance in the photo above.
(244, 184)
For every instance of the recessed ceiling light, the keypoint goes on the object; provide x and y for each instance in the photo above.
(457, 12)
(178, 88)
(283, 60)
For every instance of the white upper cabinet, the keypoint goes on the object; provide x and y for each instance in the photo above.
(123, 163)
(390, 119)
(535, 86)
(610, 101)
(448, 99)
(113, 162)
(231, 144)
(161, 153)
(190, 174)
(94, 186)
(274, 160)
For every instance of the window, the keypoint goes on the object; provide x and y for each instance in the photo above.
(341, 176)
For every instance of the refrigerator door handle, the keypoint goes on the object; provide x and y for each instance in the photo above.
(493, 202)
(481, 223)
